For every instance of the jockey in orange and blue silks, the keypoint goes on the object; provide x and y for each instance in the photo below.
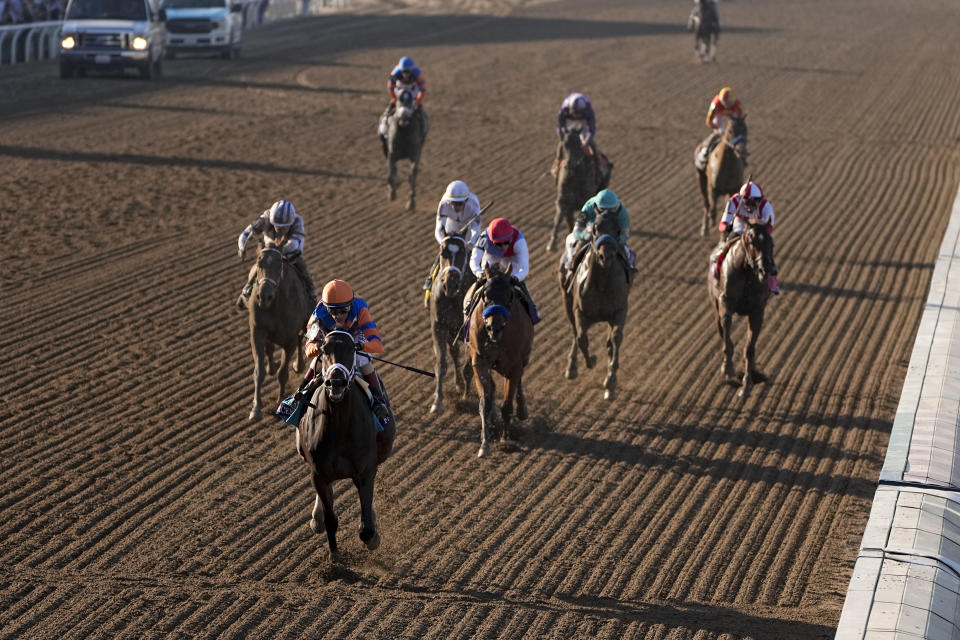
(748, 207)
(503, 245)
(341, 309)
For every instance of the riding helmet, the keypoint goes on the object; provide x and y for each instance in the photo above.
(282, 214)
(500, 230)
(457, 191)
(726, 97)
(607, 199)
(751, 191)
(337, 293)
(406, 64)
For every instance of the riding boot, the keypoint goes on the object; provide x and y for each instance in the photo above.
(386, 430)
(528, 302)
(244, 296)
(773, 284)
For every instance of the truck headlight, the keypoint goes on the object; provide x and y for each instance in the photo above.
(139, 43)
(68, 42)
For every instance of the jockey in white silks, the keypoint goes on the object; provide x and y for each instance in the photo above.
(282, 228)
(458, 213)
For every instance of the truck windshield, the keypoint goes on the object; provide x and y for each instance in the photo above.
(193, 4)
(106, 10)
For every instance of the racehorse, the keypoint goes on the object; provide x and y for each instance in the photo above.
(598, 292)
(278, 310)
(501, 337)
(407, 130)
(742, 288)
(337, 437)
(723, 174)
(705, 24)
(446, 315)
(576, 183)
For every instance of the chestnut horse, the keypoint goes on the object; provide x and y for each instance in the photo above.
(501, 338)
(337, 437)
(742, 288)
(278, 309)
(723, 174)
(446, 316)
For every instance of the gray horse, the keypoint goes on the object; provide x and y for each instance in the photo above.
(598, 291)
(407, 130)
(705, 23)
(446, 316)
(278, 310)
(576, 183)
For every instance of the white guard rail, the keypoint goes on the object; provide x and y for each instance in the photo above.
(38, 40)
(906, 582)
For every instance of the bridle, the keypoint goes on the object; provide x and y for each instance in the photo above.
(327, 372)
(458, 249)
(264, 278)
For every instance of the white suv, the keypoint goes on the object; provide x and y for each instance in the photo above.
(112, 35)
(203, 26)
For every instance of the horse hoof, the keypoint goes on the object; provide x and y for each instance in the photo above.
(744, 393)
(371, 540)
(254, 415)
(411, 204)
(317, 526)
(391, 194)
(609, 394)
(436, 408)
(522, 413)
(551, 246)
(484, 450)
(571, 373)
(591, 362)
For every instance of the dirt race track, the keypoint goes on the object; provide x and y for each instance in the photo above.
(138, 502)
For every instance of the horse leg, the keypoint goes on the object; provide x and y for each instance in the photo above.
(557, 220)
(324, 506)
(702, 176)
(412, 178)
(506, 410)
(614, 339)
(284, 374)
(259, 373)
(271, 362)
(749, 353)
(727, 325)
(440, 370)
(522, 413)
(460, 370)
(484, 383)
(583, 340)
(391, 179)
(368, 514)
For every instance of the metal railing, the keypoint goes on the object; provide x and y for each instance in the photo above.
(38, 40)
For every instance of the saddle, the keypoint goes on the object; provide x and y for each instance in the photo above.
(291, 409)
(578, 268)
(719, 253)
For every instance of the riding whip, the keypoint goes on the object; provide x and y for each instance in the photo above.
(402, 366)
(463, 229)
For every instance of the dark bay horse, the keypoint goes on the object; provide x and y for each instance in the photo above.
(705, 24)
(446, 315)
(598, 292)
(576, 183)
(337, 437)
(742, 289)
(723, 174)
(501, 338)
(406, 133)
(278, 310)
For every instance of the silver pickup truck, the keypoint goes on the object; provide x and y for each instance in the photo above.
(112, 35)
(204, 26)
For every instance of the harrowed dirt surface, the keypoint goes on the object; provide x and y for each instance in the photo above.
(136, 501)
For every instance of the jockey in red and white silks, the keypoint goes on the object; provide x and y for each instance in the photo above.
(747, 207)
(502, 245)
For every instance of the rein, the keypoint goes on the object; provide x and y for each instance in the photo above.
(337, 366)
(267, 279)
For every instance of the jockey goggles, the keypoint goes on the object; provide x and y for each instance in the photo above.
(338, 309)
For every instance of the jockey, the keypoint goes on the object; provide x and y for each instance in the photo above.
(723, 105)
(747, 207)
(457, 213)
(605, 200)
(576, 114)
(405, 75)
(501, 244)
(282, 228)
(339, 308)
